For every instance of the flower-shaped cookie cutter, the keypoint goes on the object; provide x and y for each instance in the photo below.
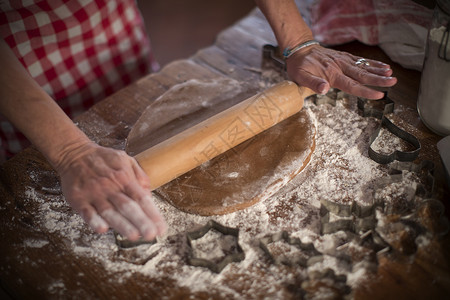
(358, 218)
(237, 256)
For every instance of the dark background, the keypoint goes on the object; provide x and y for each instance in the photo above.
(178, 28)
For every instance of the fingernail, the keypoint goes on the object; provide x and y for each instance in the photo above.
(132, 234)
(323, 88)
(148, 231)
(98, 224)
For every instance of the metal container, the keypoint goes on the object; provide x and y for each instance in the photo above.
(434, 95)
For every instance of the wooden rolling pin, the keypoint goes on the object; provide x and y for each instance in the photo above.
(212, 137)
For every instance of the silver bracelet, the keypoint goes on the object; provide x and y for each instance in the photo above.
(288, 52)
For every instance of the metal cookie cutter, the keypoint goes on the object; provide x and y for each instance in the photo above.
(330, 97)
(273, 58)
(424, 188)
(424, 170)
(373, 240)
(237, 256)
(125, 243)
(428, 212)
(425, 167)
(359, 218)
(379, 109)
(376, 108)
(312, 253)
(431, 216)
(326, 280)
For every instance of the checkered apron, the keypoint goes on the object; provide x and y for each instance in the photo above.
(78, 51)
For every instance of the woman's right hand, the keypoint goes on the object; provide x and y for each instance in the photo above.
(109, 189)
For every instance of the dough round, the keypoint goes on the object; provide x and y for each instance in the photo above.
(244, 175)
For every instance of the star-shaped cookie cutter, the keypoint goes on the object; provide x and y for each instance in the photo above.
(283, 236)
(238, 256)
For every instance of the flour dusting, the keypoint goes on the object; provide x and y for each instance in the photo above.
(340, 171)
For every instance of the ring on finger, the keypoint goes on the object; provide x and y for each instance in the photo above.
(362, 61)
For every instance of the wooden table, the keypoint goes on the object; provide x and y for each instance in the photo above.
(37, 263)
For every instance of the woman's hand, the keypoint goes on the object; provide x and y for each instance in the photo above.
(320, 68)
(109, 189)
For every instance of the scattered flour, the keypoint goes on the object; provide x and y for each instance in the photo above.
(387, 143)
(214, 246)
(340, 170)
(233, 175)
(32, 243)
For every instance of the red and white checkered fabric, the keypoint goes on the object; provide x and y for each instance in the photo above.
(371, 22)
(79, 51)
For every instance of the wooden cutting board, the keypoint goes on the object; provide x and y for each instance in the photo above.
(238, 178)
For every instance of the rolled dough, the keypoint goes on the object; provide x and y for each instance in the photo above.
(240, 177)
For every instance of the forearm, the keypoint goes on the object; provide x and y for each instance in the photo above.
(105, 186)
(26, 105)
(286, 21)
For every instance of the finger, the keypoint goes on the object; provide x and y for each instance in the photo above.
(370, 66)
(144, 199)
(372, 62)
(317, 84)
(153, 212)
(379, 71)
(353, 87)
(378, 64)
(90, 216)
(135, 215)
(120, 224)
(363, 76)
(141, 176)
